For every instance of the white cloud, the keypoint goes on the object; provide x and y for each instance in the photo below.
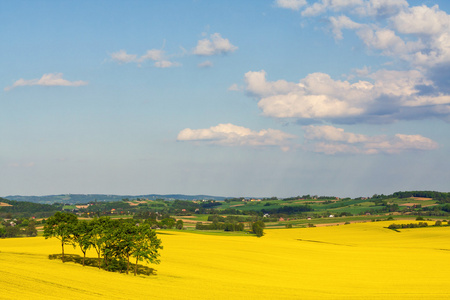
(205, 64)
(377, 8)
(213, 45)
(431, 26)
(419, 35)
(156, 55)
(402, 142)
(332, 140)
(166, 64)
(235, 88)
(232, 135)
(422, 20)
(381, 8)
(318, 96)
(363, 72)
(291, 4)
(123, 57)
(256, 84)
(321, 139)
(335, 5)
(331, 133)
(153, 54)
(51, 79)
(389, 43)
(342, 22)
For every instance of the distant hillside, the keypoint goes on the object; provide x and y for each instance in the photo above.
(86, 198)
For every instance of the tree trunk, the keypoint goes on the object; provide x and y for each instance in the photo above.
(98, 254)
(84, 257)
(135, 267)
(62, 246)
(128, 263)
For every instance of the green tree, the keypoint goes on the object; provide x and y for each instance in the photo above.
(12, 231)
(179, 224)
(31, 230)
(258, 228)
(2, 232)
(126, 239)
(61, 225)
(146, 246)
(96, 235)
(82, 236)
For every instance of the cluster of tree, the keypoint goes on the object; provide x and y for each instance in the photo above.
(258, 228)
(441, 197)
(234, 226)
(410, 225)
(86, 198)
(105, 208)
(229, 219)
(294, 209)
(229, 200)
(18, 227)
(166, 223)
(445, 208)
(27, 209)
(115, 241)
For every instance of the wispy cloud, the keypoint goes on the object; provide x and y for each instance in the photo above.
(51, 79)
(291, 4)
(166, 64)
(122, 56)
(22, 165)
(157, 55)
(323, 139)
(205, 64)
(332, 140)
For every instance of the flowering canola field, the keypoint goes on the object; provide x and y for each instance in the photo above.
(357, 261)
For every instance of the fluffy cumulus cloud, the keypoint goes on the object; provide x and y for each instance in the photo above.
(214, 45)
(51, 79)
(431, 27)
(418, 34)
(332, 140)
(385, 97)
(233, 135)
(156, 55)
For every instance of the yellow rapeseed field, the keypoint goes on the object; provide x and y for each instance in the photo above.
(357, 261)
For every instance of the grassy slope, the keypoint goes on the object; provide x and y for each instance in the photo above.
(342, 262)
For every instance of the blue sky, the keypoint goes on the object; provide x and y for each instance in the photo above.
(231, 98)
